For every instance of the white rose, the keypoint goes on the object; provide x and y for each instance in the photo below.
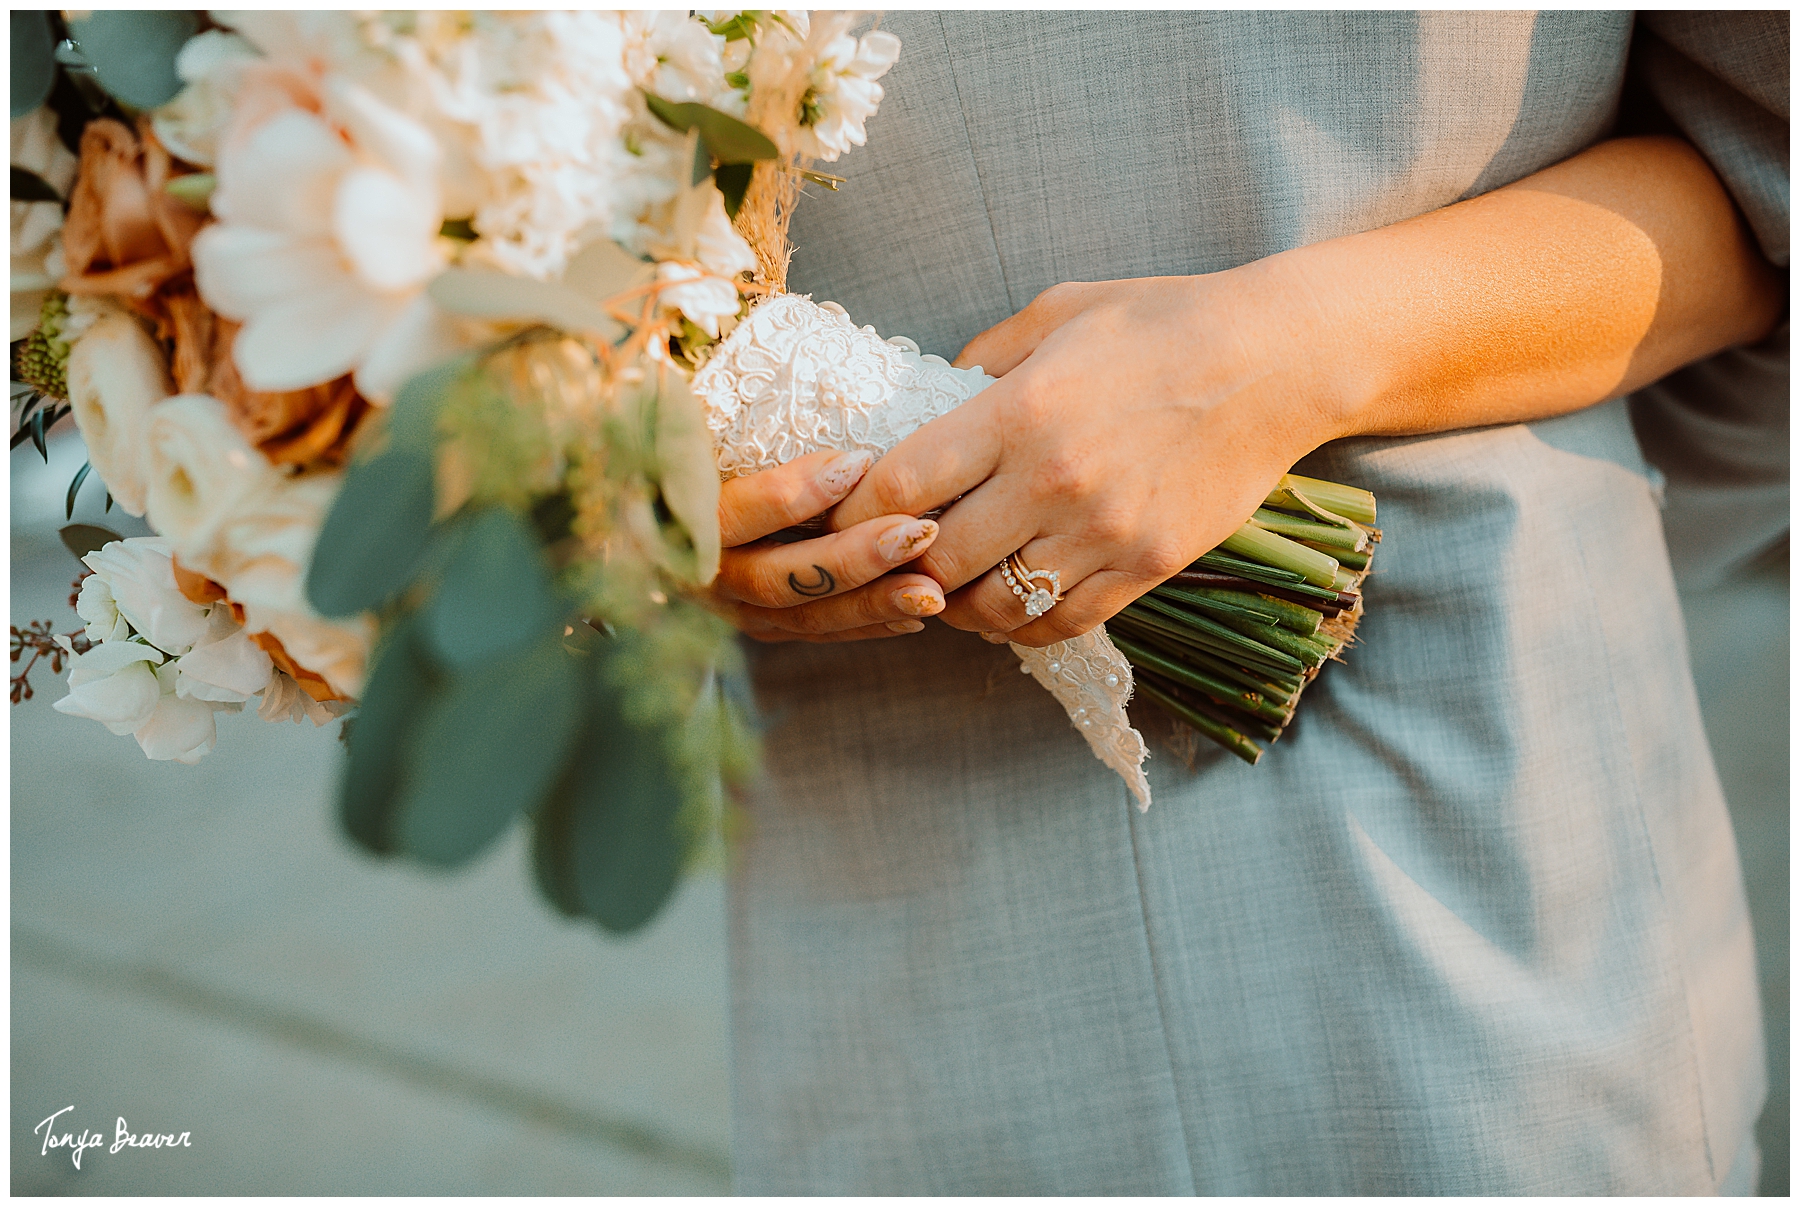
(116, 374)
(199, 470)
(140, 576)
(97, 606)
(115, 684)
(178, 729)
(224, 666)
(35, 224)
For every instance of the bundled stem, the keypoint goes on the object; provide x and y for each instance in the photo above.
(1227, 646)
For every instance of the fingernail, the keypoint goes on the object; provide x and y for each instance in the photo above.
(995, 638)
(905, 626)
(919, 601)
(841, 473)
(903, 542)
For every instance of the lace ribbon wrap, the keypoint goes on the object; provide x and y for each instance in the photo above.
(795, 377)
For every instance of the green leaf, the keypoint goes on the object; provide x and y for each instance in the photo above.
(87, 467)
(481, 293)
(702, 163)
(133, 51)
(33, 67)
(460, 229)
(494, 596)
(733, 180)
(736, 28)
(193, 190)
(397, 690)
(607, 845)
(729, 140)
(374, 540)
(29, 186)
(37, 435)
(486, 750)
(686, 469)
(603, 270)
(83, 539)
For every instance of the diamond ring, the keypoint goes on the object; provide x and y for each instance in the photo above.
(1023, 582)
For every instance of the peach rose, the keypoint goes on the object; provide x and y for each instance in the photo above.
(124, 234)
(289, 427)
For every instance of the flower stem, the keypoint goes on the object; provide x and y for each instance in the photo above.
(1218, 731)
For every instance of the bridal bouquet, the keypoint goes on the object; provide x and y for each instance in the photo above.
(422, 342)
(385, 323)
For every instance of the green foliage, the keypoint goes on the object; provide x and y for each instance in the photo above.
(736, 28)
(83, 539)
(29, 186)
(33, 68)
(733, 180)
(729, 140)
(493, 596)
(397, 689)
(133, 51)
(608, 844)
(686, 472)
(374, 541)
(484, 749)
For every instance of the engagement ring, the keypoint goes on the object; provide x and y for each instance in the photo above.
(1036, 599)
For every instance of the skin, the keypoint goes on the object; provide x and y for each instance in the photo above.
(1136, 423)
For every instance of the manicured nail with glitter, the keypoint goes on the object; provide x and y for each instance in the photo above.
(906, 541)
(919, 601)
(995, 638)
(841, 473)
(906, 626)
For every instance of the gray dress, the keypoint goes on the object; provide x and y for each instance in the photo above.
(1475, 924)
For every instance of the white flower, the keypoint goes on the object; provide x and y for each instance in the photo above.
(283, 700)
(702, 298)
(179, 729)
(224, 666)
(115, 684)
(844, 93)
(199, 469)
(36, 224)
(140, 576)
(672, 55)
(97, 606)
(117, 373)
(322, 244)
(192, 124)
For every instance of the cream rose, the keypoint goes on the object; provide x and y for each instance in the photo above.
(116, 374)
(115, 684)
(199, 471)
(36, 256)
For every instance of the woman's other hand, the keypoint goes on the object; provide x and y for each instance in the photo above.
(838, 586)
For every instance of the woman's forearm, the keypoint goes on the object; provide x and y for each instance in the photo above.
(1574, 285)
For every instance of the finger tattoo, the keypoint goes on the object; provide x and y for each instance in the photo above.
(824, 586)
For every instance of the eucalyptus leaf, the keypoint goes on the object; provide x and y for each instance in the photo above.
(33, 67)
(494, 595)
(686, 468)
(29, 186)
(733, 180)
(413, 417)
(486, 750)
(603, 270)
(133, 51)
(729, 140)
(374, 540)
(480, 293)
(83, 539)
(607, 845)
(394, 697)
(87, 467)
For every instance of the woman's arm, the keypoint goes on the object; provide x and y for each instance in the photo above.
(1138, 422)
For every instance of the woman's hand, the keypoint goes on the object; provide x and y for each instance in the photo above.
(1138, 423)
(836, 587)
(1135, 425)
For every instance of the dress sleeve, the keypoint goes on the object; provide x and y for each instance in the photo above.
(1718, 429)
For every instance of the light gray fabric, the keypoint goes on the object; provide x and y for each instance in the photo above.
(1473, 926)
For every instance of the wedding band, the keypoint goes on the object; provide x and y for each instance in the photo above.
(1020, 578)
